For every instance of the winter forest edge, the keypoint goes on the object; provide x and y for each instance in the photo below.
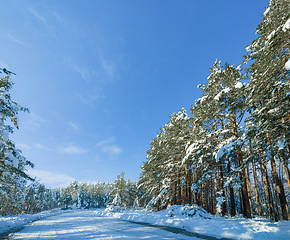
(230, 156)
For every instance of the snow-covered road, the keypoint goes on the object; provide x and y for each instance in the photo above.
(84, 224)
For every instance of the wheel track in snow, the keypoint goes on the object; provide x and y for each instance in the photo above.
(179, 231)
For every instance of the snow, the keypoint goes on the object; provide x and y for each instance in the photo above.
(12, 159)
(217, 97)
(238, 85)
(273, 110)
(215, 226)
(9, 223)
(85, 224)
(117, 200)
(266, 11)
(271, 35)
(286, 25)
(202, 98)
(225, 90)
(219, 203)
(4, 133)
(287, 65)
(98, 224)
(227, 148)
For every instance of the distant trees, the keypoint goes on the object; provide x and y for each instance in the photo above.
(124, 192)
(232, 155)
(35, 197)
(121, 192)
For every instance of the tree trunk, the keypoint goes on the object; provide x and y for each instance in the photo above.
(249, 188)
(278, 185)
(178, 191)
(285, 167)
(189, 187)
(257, 191)
(213, 197)
(207, 196)
(245, 196)
(187, 201)
(280, 190)
(232, 196)
(228, 204)
(273, 213)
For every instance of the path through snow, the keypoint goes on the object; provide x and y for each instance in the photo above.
(84, 224)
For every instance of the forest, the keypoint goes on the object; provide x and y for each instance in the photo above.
(230, 156)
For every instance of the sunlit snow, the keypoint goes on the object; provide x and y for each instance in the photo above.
(287, 65)
(238, 85)
(98, 224)
(286, 25)
(266, 11)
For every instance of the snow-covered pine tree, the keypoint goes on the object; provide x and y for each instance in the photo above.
(177, 135)
(117, 201)
(164, 177)
(231, 102)
(152, 170)
(207, 116)
(132, 192)
(198, 158)
(268, 93)
(216, 146)
(12, 163)
(121, 188)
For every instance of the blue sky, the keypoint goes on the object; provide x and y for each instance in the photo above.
(101, 77)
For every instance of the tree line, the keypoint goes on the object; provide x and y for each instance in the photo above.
(232, 155)
(35, 197)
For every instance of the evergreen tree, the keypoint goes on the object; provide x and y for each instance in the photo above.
(165, 177)
(12, 163)
(268, 93)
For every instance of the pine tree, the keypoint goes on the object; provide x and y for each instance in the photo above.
(268, 91)
(165, 177)
(12, 163)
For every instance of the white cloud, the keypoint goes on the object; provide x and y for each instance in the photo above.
(51, 179)
(35, 121)
(107, 66)
(74, 126)
(23, 146)
(39, 17)
(83, 72)
(108, 146)
(36, 145)
(72, 149)
(40, 146)
(14, 39)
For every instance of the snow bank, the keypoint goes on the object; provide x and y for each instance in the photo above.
(206, 224)
(11, 223)
(287, 65)
(112, 208)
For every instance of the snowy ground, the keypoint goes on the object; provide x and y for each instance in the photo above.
(12, 223)
(99, 224)
(85, 224)
(235, 228)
